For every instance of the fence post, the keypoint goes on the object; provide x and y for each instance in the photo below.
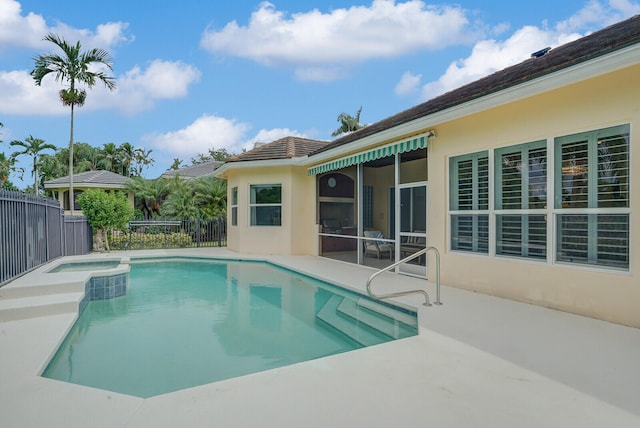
(198, 232)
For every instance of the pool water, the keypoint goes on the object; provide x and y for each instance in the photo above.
(188, 323)
(86, 266)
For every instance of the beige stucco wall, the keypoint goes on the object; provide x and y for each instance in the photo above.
(586, 106)
(298, 234)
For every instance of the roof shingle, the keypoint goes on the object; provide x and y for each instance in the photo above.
(284, 148)
(92, 178)
(194, 171)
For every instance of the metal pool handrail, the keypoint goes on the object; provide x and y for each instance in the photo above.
(404, 293)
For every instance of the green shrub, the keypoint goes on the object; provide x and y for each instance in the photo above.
(147, 241)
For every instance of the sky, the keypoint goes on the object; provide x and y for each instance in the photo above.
(193, 76)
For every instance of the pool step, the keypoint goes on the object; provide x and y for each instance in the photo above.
(38, 306)
(346, 325)
(387, 323)
(410, 320)
(44, 288)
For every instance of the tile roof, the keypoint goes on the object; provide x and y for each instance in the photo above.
(610, 39)
(91, 178)
(194, 171)
(284, 148)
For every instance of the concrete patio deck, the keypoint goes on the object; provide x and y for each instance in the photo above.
(478, 361)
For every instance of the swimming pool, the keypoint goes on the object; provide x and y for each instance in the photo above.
(189, 322)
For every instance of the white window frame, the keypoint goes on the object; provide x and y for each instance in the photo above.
(255, 205)
(234, 206)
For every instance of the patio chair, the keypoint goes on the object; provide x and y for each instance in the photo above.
(373, 245)
(412, 245)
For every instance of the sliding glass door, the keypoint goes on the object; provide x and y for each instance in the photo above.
(412, 223)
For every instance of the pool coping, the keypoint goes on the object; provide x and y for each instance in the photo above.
(433, 377)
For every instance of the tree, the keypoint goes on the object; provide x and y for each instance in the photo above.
(105, 211)
(176, 164)
(7, 166)
(87, 158)
(180, 203)
(148, 194)
(127, 154)
(143, 160)
(32, 147)
(348, 123)
(109, 157)
(72, 69)
(210, 194)
(219, 155)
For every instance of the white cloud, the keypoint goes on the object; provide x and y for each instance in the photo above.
(319, 44)
(489, 56)
(213, 132)
(408, 84)
(269, 135)
(206, 132)
(22, 97)
(599, 14)
(18, 30)
(27, 31)
(137, 90)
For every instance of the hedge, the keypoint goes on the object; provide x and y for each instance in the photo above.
(142, 241)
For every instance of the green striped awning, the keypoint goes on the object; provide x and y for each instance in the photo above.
(370, 155)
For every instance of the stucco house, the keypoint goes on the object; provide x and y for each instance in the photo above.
(105, 180)
(522, 180)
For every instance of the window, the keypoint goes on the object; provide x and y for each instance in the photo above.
(582, 217)
(413, 209)
(592, 197)
(469, 202)
(234, 206)
(65, 200)
(266, 205)
(521, 200)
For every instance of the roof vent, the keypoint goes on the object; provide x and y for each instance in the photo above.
(541, 52)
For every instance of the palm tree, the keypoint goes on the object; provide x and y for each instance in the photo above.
(210, 194)
(110, 155)
(32, 147)
(348, 123)
(127, 155)
(176, 164)
(7, 166)
(72, 68)
(87, 157)
(143, 159)
(180, 204)
(149, 194)
(52, 166)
